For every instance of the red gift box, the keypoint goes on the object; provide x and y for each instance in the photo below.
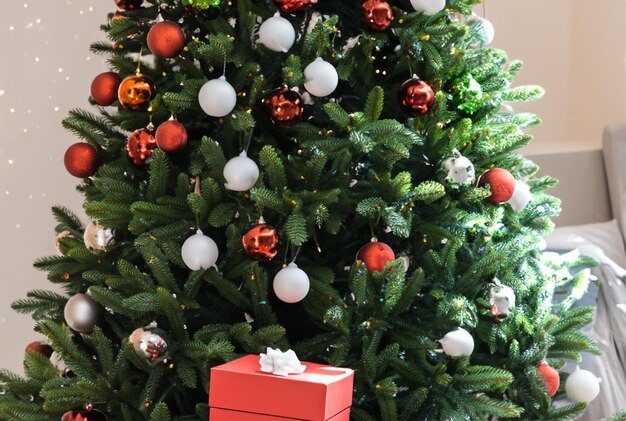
(240, 391)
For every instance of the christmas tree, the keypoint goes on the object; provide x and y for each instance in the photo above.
(334, 177)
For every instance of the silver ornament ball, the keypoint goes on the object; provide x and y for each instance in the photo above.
(82, 313)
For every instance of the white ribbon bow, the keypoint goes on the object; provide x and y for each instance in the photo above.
(281, 363)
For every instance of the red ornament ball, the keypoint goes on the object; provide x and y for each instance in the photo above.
(375, 256)
(415, 97)
(166, 39)
(84, 415)
(376, 14)
(171, 136)
(502, 185)
(140, 145)
(104, 88)
(81, 160)
(135, 92)
(41, 348)
(261, 242)
(551, 378)
(128, 4)
(291, 6)
(283, 106)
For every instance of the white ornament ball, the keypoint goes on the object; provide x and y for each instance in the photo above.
(521, 196)
(291, 284)
(277, 34)
(582, 386)
(458, 170)
(98, 238)
(81, 313)
(429, 7)
(502, 299)
(241, 173)
(321, 78)
(217, 97)
(458, 343)
(200, 252)
(489, 31)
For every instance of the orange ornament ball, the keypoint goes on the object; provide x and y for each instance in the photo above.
(104, 88)
(136, 92)
(375, 256)
(166, 39)
(551, 378)
(81, 160)
(502, 185)
(171, 136)
(140, 145)
(261, 242)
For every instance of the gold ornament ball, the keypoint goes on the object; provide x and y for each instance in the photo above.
(136, 92)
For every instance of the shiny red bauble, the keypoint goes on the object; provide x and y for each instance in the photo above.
(415, 97)
(81, 160)
(551, 378)
(104, 88)
(166, 39)
(140, 145)
(171, 136)
(502, 185)
(128, 4)
(135, 92)
(283, 106)
(375, 256)
(84, 415)
(291, 6)
(261, 242)
(376, 14)
(41, 348)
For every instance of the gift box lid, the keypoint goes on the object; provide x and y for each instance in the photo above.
(316, 395)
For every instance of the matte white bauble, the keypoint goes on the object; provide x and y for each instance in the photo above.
(429, 7)
(321, 78)
(489, 32)
(458, 343)
(291, 284)
(200, 252)
(277, 34)
(217, 97)
(582, 386)
(241, 173)
(521, 196)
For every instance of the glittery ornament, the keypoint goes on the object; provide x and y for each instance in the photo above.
(415, 97)
(140, 145)
(376, 14)
(502, 299)
(283, 106)
(128, 4)
(84, 415)
(82, 313)
(468, 94)
(81, 160)
(41, 348)
(166, 39)
(456, 170)
(136, 92)
(150, 342)
(551, 378)
(502, 185)
(98, 238)
(60, 237)
(171, 136)
(291, 6)
(375, 256)
(104, 88)
(261, 242)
